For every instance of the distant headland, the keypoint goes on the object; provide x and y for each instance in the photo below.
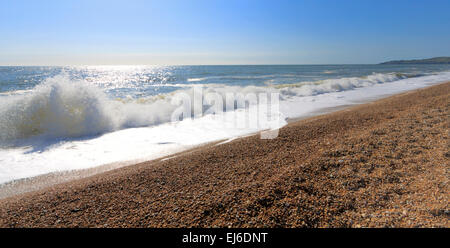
(436, 60)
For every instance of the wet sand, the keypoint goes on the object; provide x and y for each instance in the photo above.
(381, 164)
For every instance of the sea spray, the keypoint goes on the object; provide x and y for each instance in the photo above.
(60, 107)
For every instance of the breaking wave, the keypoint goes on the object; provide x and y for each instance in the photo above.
(63, 108)
(60, 107)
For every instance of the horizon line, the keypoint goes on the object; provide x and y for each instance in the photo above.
(12, 65)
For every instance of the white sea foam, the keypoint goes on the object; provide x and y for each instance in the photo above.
(196, 79)
(61, 108)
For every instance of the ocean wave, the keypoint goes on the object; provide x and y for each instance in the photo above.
(60, 107)
(196, 79)
(339, 84)
(242, 77)
(14, 92)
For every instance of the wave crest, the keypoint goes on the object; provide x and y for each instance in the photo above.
(60, 107)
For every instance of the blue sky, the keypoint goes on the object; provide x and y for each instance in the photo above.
(72, 32)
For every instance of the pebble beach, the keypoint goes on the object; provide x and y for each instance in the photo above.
(379, 164)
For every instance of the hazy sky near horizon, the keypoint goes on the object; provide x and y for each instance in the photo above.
(73, 32)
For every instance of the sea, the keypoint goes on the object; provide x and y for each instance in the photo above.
(57, 119)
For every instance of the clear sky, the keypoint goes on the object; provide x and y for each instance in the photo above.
(68, 32)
